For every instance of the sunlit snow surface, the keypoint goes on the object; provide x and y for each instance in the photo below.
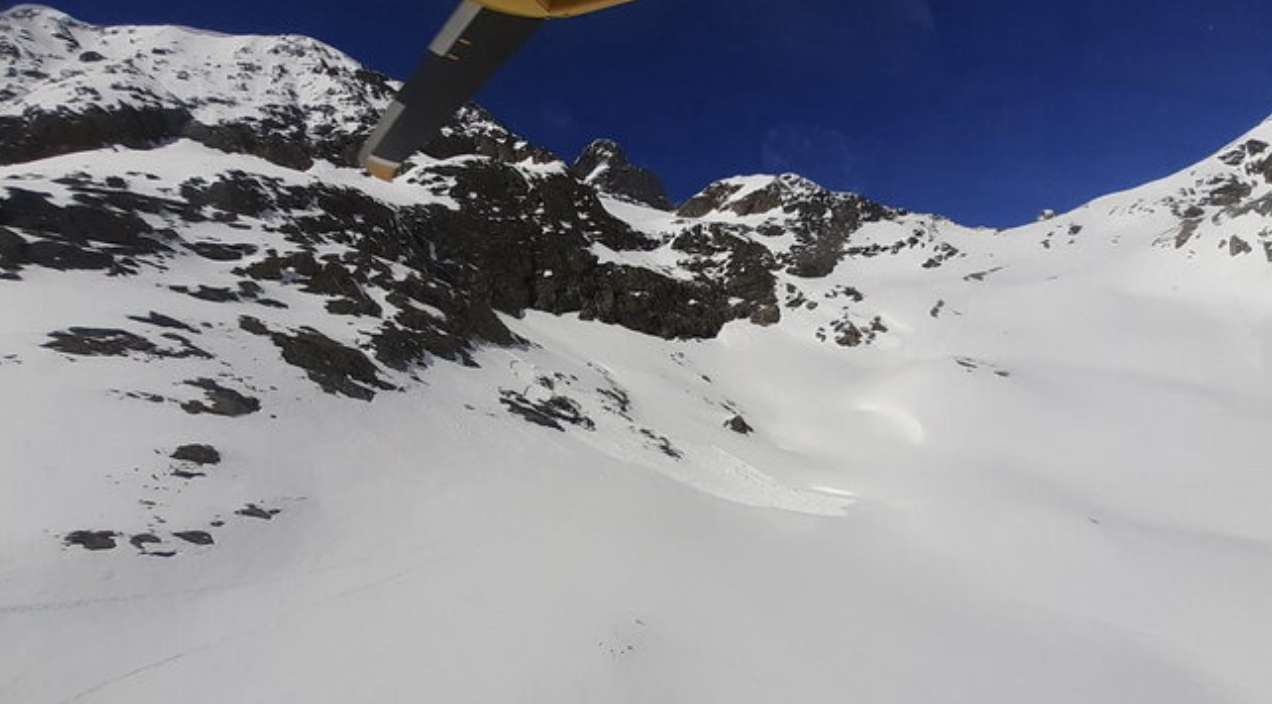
(1048, 482)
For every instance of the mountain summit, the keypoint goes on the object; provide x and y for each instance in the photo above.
(511, 429)
(604, 165)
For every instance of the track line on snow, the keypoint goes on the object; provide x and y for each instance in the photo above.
(133, 673)
(213, 644)
(370, 585)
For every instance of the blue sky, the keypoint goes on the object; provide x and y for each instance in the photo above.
(986, 111)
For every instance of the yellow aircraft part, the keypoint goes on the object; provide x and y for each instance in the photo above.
(548, 8)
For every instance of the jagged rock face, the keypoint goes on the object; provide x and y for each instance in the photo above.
(822, 221)
(473, 131)
(604, 165)
(527, 242)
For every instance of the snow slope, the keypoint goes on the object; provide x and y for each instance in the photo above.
(982, 467)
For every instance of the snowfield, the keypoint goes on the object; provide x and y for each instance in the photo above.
(1017, 467)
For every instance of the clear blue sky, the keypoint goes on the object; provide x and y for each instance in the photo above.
(983, 110)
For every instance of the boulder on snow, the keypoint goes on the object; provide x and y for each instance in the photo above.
(220, 401)
(91, 539)
(198, 454)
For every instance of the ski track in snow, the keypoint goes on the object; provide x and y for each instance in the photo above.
(222, 642)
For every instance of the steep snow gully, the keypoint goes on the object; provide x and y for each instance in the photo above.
(517, 430)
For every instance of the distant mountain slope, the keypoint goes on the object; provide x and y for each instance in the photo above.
(509, 429)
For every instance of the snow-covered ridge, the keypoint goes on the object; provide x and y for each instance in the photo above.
(50, 62)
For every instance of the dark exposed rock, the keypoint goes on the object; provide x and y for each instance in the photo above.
(336, 368)
(1255, 167)
(719, 196)
(220, 401)
(766, 315)
(739, 425)
(722, 257)
(331, 278)
(475, 131)
(141, 540)
(944, 252)
(143, 396)
(198, 454)
(1261, 205)
(1238, 246)
(526, 247)
(92, 539)
(99, 342)
(235, 192)
(110, 342)
(42, 135)
(621, 401)
(1189, 212)
(77, 223)
(980, 276)
(253, 325)
(662, 443)
(13, 249)
(852, 293)
(1233, 157)
(604, 164)
(207, 293)
(403, 348)
(1186, 230)
(163, 321)
(98, 232)
(279, 143)
(1230, 192)
(197, 537)
(254, 511)
(1261, 168)
(187, 349)
(549, 413)
(220, 252)
(822, 221)
(647, 302)
(849, 334)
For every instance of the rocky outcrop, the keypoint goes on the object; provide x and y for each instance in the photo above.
(46, 134)
(822, 221)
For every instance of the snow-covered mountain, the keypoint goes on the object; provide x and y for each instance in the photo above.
(512, 430)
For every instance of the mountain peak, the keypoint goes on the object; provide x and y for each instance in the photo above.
(29, 11)
(604, 164)
(756, 195)
(71, 86)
